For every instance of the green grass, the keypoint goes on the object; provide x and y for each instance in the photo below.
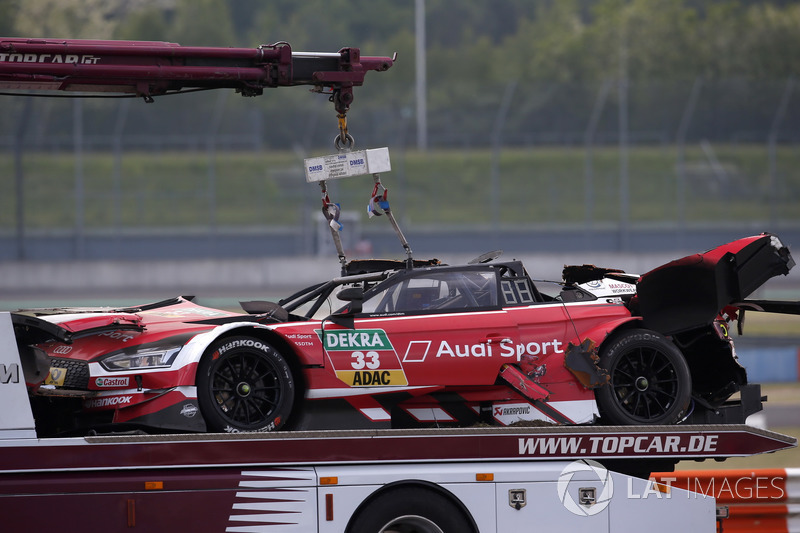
(443, 187)
(772, 325)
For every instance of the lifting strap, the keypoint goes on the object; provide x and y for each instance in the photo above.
(331, 212)
(379, 205)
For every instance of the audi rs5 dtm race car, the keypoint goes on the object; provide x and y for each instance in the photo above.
(414, 343)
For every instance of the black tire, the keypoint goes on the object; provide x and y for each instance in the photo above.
(244, 384)
(649, 381)
(411, 510)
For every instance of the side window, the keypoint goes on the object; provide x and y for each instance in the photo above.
(434, 291)
(480, 288)
(384, 301)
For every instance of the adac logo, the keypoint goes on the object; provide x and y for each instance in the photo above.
(589, 501)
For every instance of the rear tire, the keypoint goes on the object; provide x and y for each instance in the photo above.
(649, 380)
(244, 384)
(411, 510)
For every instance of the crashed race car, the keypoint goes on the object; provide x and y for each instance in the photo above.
(394, 344)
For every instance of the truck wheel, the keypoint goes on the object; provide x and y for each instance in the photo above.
(244, 384)
(649, 381)
(411, 510)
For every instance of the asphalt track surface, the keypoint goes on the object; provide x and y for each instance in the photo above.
(781, 415)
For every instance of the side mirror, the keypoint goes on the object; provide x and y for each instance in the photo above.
(354, 295)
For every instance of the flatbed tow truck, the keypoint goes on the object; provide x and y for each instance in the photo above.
(457, 480)
(481, 479)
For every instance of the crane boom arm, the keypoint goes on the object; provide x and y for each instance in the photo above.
(151, 68)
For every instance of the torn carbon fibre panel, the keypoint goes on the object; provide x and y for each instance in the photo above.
(690, 292)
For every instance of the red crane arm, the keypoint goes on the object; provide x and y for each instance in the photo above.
(149, 68)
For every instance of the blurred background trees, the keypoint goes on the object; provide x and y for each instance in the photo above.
(563, 40)
(703, 92)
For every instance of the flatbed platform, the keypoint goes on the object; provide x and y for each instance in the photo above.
(665, 443)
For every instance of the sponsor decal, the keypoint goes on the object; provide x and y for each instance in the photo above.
(112, 382)
(186, 312)
(239, 343)
(110, 401)
(56, 377)
(615, 287)
(83, 59)
(373, 378)
(189, 410)
(589, 501)
(272, 426)
(622, 445)
(510, 413)
(516, 410)
(9, 374)
(505, 348)
(118, 335)
(302, 339)
(363, 358)
(365, 339)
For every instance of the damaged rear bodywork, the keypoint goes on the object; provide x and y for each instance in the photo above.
(690, 292)
(692, 301)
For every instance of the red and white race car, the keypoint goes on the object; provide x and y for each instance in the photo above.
(396, 344)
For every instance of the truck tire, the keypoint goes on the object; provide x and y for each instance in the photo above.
(649, 380)
(244, 384)
(411, 510)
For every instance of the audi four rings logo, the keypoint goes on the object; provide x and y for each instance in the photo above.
(589, 503)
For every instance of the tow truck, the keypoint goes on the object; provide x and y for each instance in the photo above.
(475, 479)
(467, 479)
(148, 69)
(460, 480)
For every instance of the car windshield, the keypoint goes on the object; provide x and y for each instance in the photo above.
(436, 290)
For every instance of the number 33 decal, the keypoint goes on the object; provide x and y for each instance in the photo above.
(369, 360)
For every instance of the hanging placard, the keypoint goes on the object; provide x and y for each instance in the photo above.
(347, 164)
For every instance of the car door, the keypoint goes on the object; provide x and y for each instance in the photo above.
(432, 327)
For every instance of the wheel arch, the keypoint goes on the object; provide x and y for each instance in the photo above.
(412, 484)
(606, 332)
(604, 337)
(200, 344)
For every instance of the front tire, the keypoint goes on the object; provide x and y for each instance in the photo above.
(411, 510)
(244, 384)
(649, 380)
